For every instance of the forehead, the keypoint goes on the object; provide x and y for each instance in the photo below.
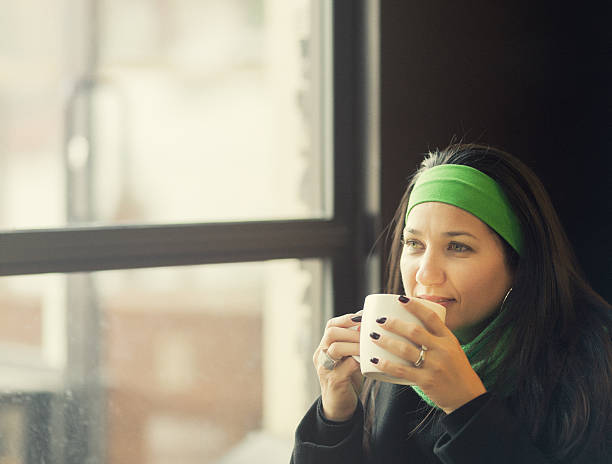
(442, 217)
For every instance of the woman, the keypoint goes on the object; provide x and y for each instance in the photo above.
(521, 370)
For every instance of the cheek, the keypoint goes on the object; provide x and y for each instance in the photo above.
(408, 271)
(482, 286)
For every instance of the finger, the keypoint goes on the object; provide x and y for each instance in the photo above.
(339, 350)
(344, 369)
(410, 373)
(338, 334)
(401, 348)
(344, 321)
(429, 318)
(347, 367)
(416, 333)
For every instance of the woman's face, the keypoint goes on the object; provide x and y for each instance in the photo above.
(452, 257)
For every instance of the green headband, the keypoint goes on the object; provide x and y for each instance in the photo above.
(473, 191)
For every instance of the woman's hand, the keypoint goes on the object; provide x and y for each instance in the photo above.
(340, 387)
(446, 375)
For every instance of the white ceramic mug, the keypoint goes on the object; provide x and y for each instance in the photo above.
(386, 305)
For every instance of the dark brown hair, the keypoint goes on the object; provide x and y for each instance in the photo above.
(559, 352)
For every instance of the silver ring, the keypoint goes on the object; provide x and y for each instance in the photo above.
(327, 361)
(419, 362)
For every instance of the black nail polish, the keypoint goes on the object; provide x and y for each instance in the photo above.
(356, 318)
(374, 360)
(404, 299)
(381, 320)
(375, 336)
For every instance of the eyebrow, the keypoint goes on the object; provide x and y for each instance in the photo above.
(451, 233)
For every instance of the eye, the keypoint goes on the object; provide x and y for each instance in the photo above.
(458, 247)
(412, 244)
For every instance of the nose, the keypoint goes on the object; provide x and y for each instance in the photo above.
(430, 270)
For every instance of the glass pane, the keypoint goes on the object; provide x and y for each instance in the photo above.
(198, 364)
(163, 111)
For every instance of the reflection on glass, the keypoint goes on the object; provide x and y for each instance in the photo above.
(174, 111)
(199, 364)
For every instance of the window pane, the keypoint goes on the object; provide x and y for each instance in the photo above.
(167, 111)
(190, 364)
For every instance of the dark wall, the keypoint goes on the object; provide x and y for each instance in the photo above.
(533, 80)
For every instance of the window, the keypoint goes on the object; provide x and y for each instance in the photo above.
(169, 364)
(174, 180)
(223, 97)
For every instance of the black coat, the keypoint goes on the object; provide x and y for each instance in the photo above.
(482, 431)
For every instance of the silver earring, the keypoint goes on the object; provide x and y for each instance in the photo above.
(505, 298)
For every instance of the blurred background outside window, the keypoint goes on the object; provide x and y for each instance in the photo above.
(184, 364)
(160, 111)
(135, 112)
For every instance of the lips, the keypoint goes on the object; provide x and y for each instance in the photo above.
(437, 299)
